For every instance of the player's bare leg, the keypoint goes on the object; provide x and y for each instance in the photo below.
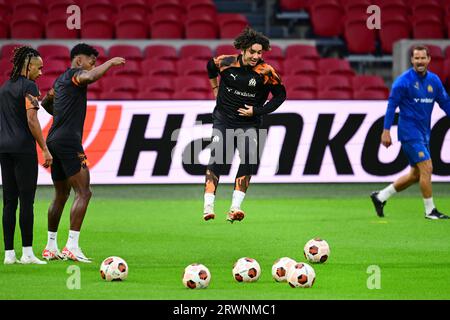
(240, 188)
(379, 198)
(426, 170)
(62, 193)
(80, 183)
(211, 182)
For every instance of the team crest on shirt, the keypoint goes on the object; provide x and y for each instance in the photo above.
(430, 88)
(252, 82)
(421, 154)
(416, 85)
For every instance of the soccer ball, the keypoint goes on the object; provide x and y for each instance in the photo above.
(281, 268)
(302, 275)
(114, 269)
(246, 270)
(196, 276)
(316, 250)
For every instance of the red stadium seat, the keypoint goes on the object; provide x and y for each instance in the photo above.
(153, 95)
(59, 8)
(201, 27)
(118, 84)
(293, 5)
(5, 67)
(131, 68)
(128, 52)
(95, 87)
(191, 67)
(97, 27)
(437, 64)
(429, 8)
(131, 27)
(371, 95)
(156, 84)
(101, 53)
(45, 83)
(159, 68)
(225, 49)
(93, 95)
(6, 51)
(54, 51)
(24, 7)
(301, 94)
(171, 7)
(395, 8)
(231, 24)
(100, 7)
(5, 9)
(4, 29)
(202, 8)
(300, 67)
(326, 18)
(301, 51)
(166, 27)
(30, 27)
(394, 28)
(335, 66)
(355, 6)
(133, 7)
(275, 53)
(334, 94)
(56, 28)
(427, 27)
(301, 82)
(190, 95)
(359, 38)
(192, 83)
(196, 51)
(331, 82)
(164, 52)
(54, 68)
(368, 82)
(117, 95)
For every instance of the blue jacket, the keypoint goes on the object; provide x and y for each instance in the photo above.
(415, 96)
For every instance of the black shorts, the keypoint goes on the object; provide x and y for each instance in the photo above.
(67, 160)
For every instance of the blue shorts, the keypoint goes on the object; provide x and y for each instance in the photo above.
(416, 151)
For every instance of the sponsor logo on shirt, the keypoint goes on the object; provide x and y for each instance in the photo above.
(424, 100)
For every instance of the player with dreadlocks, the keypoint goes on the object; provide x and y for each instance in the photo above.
(245, 83)
(19, 131)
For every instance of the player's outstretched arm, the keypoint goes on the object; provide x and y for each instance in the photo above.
(47, 102)
(86, 77)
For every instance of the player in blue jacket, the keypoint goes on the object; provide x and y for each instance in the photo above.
(415, 93)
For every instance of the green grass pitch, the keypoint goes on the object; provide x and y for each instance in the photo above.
(159, 230)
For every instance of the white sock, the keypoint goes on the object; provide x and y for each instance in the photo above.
(10, 254)
(52, 240)
(386, 193)
(72, 240)
(27, 251)
(238, 197)
(429, 205)
(209, 201)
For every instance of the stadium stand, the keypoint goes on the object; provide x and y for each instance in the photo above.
(341, 43)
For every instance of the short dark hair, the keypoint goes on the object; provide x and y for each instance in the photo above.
(249, 37)
(420, 48)
(83, 48)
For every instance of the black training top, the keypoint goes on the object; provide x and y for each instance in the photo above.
(240, 85)
(15, 134)
(69, 109)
